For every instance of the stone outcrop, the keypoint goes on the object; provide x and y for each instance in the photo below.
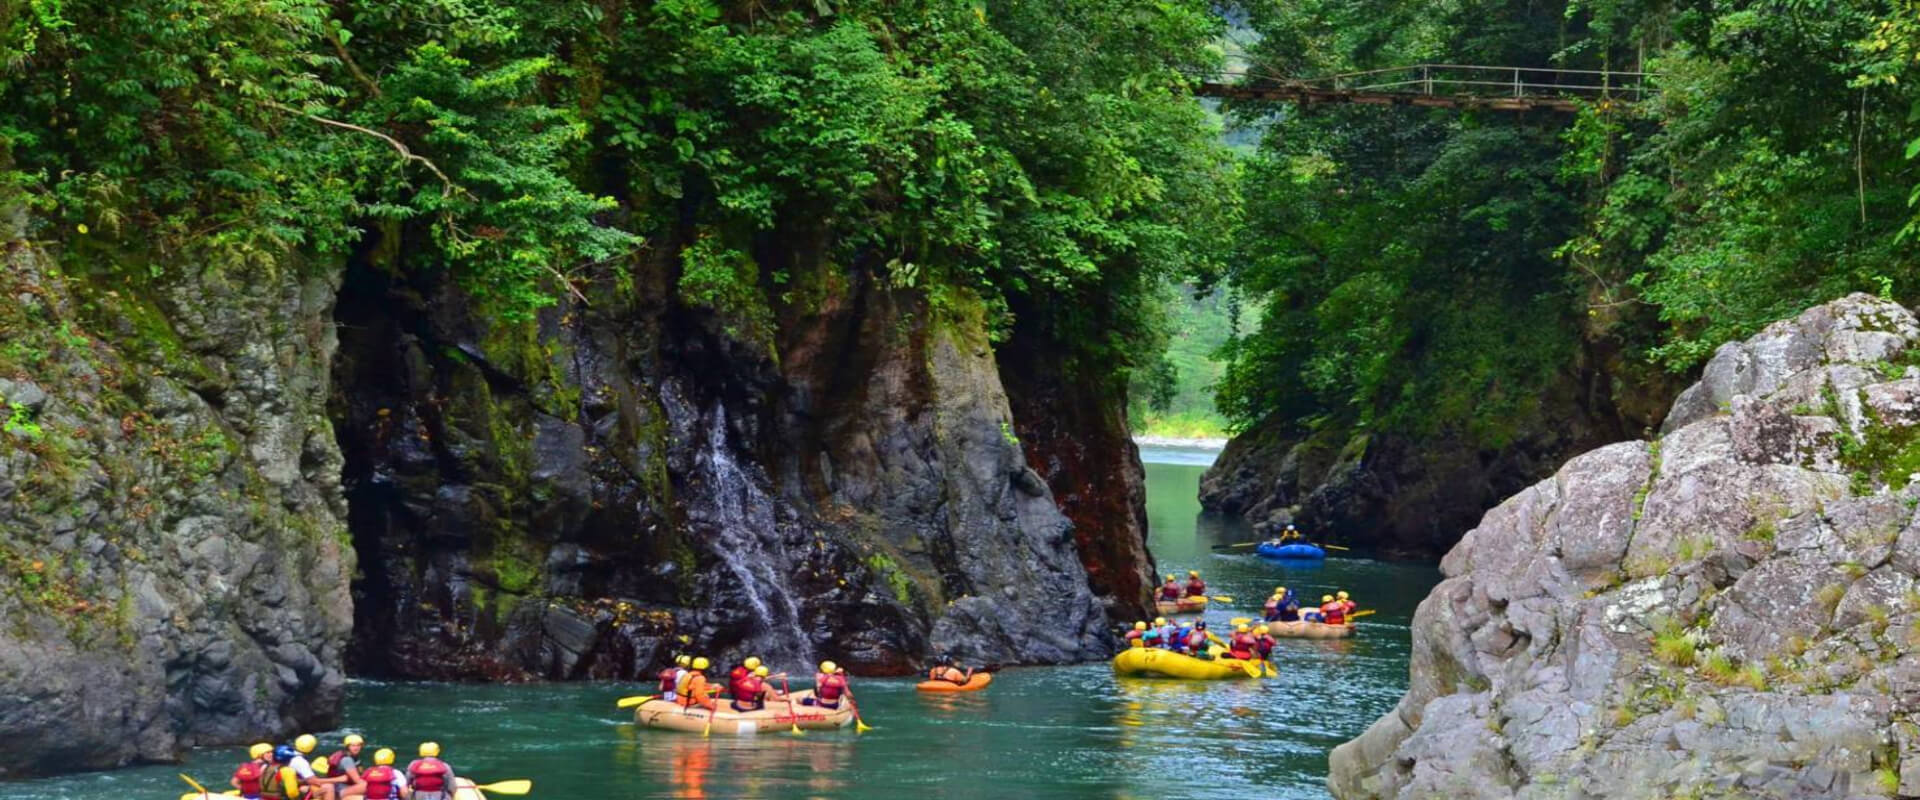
(837, 475)
(1728, 610)
(173, 566)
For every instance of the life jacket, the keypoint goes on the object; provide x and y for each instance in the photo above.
(428, 775)
(1265, 643)
(829, 687)
(1134, 635)
(747, 691)
(1333, 613)
(1289, 608)
(742, 686)
(1170, 591)
(681, 680)
(1347, 607)
(273, 781)
(696, 692)
(669, 680)
(1273, 608)
(252, 779)
(379, 782)
(1196, 640)
(1196, 587)
(950, 674)
(1243, 645)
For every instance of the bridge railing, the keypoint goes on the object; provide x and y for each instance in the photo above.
(1465, 80)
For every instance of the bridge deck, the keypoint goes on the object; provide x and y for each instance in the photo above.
(1441, 86)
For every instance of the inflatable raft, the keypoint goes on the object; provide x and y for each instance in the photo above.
(1308, 630)
(1185, 605)
(465, 790)
(1296, 550)
(1152, 662)
(775, 718)
(976, 683)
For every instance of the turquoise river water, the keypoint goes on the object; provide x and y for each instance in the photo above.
(1055, 732)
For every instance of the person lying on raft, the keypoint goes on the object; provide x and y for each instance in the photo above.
(1170, 591)
(752, 692)
(829, 684)
(944, 669)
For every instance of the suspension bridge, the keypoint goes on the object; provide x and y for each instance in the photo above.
(1439, 86)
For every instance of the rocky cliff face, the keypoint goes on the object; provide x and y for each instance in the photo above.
(1730, 609)
(1414, 498)
(629, 477)
(173, 567)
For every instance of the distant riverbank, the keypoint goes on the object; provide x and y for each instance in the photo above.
(1197, 443)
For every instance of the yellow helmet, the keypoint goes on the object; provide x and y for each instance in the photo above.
(1326, 598)
(305, 743)
(383, 757)
(829, 667)
(684, 661)
(1159, 621)
(1240, 628)
(752, 662)
(701, 663)
(321, 767)
(351, 740)
(1139, 626)
(1341, 595)
(1193, 573)
(429, 749)
(259, 751)
(762, 671)
(1169, 576)
(1279, 590)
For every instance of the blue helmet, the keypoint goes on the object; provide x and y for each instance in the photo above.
(285, 752)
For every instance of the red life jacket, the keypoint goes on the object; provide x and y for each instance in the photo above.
(1196, 587)
(1265, 643)
(668, 677)
(1334, 613)
(829, 687)
(744, 685)
(429, 775)
(1135, 634)
(1197, 640)
(1170, 591)
(251, 779)
(1243, 645)
(379, 783)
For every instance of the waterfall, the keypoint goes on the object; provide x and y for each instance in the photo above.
(747, 539)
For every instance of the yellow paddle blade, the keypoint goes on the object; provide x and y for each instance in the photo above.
(1221, 598)
(205, 795)
(516, 786)
(860, 727)
(630, 702)
(1335, 547)
(1238, 621)
(795, 730)
(1362, 613)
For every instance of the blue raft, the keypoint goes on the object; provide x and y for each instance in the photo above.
(1297, 550)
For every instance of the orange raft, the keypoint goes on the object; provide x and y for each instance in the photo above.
(977, 682)
(775, 718)
(1185, 605)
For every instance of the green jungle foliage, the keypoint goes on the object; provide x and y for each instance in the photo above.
(1433, 272)
(527, 145)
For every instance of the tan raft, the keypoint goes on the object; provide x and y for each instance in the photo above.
(1185, 605)
(772, 719)
(464, 790)
(1308, 630)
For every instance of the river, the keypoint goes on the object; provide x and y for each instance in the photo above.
(1058, 732)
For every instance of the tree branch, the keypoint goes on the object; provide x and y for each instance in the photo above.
(448, 187)
(340, 47)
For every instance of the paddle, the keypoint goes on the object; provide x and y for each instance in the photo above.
(630, 702)
(1235, 546)
(1335, 547)
(1221, 598)
(515, 786)
(1252, 668)
(793, 717)
(1359, 614)
(199, 792)
(859, 725)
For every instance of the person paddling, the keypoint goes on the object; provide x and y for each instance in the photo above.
(944, 669)
(1197, 639)
(1243, 645)
(670, 678)
(342, 766)
(739, 679)
(1332, 612)
(251, 778)
(694, 690)
(1169, 633)
(1289, 605)
(1139, 631)
(750, 693)
(381, 781)
(1195, 586)
(1346, 603)
(1170, 591)
(430, 777)
(829, 684)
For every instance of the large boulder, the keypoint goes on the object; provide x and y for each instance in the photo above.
(1730, 609)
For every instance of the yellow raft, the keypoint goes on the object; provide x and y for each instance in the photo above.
(1308, 630)
(1153, 662)
(1185, 605)
(775, 718)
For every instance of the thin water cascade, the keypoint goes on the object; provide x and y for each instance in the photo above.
(748, 542)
